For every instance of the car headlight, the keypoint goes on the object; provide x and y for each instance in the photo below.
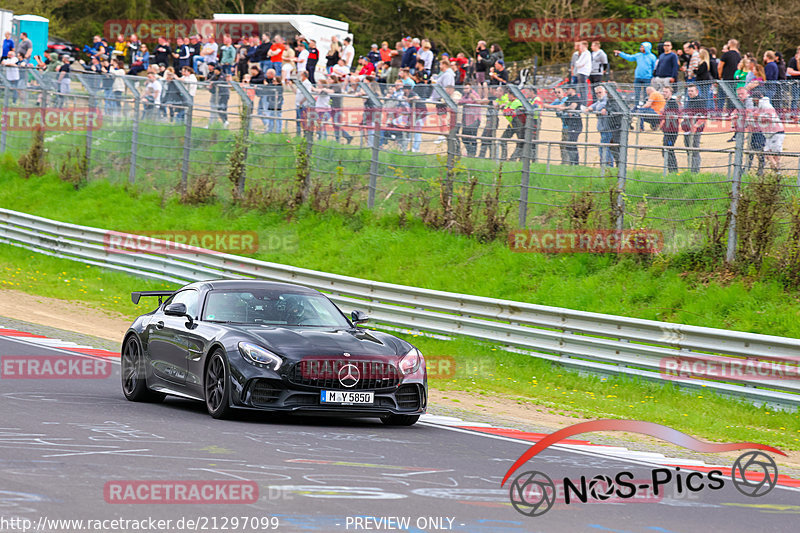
(410, 361)
(259, 355)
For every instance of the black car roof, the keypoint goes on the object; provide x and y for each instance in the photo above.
(251, 284)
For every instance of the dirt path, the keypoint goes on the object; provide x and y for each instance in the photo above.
(63, 314)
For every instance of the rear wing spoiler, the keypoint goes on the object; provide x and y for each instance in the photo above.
(135, 296)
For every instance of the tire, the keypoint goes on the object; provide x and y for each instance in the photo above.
(133, 375)
(217, 387)
(400, 420)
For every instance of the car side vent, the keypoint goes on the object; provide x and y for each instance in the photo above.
(408, 397)
(264, 392)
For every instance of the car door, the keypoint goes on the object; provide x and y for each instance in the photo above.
(168, 338)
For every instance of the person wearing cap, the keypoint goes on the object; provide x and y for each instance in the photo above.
(498, 75)
(385, 52)
(367, 67)
(410, 55)
(374, 55)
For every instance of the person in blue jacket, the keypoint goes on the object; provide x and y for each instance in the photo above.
(645, 63)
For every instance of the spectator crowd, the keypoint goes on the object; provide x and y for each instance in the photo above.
(676, 90)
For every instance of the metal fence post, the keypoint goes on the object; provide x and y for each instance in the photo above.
(309, 138)
(622, 162)
(376, 142)
(452, 139)
(246, 115)
(134, 128)
(3, 123)
(91, 91)
(188, 103)
(736, 180)
(530, 116)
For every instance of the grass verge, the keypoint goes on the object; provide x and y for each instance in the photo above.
(374, 247)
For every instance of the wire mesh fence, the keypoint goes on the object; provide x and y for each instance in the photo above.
(610, 155)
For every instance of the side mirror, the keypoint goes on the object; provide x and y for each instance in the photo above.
(358, 317)
(178, 309)
(175, 310)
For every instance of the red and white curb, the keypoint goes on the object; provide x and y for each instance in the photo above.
(41, 340)
(583, 446)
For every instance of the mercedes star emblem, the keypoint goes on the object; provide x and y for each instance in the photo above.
(349, 375)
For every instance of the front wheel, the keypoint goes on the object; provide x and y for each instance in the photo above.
(400, 420)
(134, 384)
(217, 387)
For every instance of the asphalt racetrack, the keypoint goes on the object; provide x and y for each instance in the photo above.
(66, 444)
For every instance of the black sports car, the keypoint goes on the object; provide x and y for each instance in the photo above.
(270, 346)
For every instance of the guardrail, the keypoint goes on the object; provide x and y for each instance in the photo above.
(580, 340)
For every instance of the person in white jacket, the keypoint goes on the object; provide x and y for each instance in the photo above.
(188, 77)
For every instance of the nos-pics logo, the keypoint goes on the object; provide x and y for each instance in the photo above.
(533, 493)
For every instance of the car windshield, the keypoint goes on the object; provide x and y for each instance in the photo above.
(272, 307)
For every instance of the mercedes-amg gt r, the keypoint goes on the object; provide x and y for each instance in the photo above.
(248, 344)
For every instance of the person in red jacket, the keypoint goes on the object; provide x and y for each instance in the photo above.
(367, 68)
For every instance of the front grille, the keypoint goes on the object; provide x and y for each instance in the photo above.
(324, 374)
(409, 397)
(264, 392)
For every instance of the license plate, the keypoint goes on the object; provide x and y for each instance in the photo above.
(347, 397)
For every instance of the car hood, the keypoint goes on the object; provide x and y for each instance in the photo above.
(296, 343)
